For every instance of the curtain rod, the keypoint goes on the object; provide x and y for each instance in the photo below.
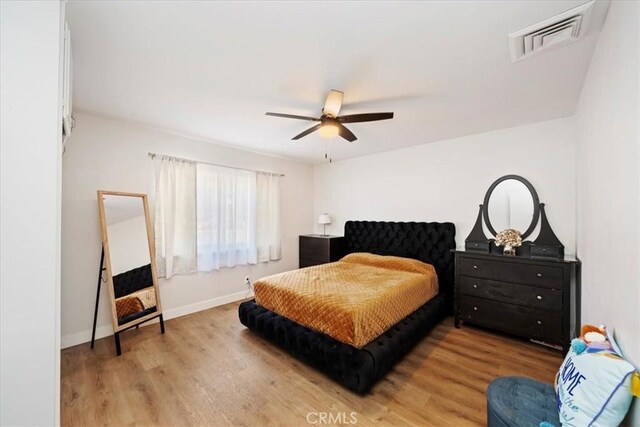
(153, 155)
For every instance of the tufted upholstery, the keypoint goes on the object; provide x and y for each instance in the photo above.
(356, 369)
(133, 280)
(429, 242)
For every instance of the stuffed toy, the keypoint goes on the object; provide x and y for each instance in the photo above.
(593, 339)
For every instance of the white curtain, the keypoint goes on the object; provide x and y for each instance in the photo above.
(269, 245)
(175, 216)
(226, 217)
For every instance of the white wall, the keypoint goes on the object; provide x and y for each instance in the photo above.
(30, 57)
(447, 180)
(128, 244)
(105, 154)
(608, 181)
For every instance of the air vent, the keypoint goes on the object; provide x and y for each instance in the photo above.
(559, 30)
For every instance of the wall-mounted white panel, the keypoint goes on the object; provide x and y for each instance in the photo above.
(608, 181)
(30, 150)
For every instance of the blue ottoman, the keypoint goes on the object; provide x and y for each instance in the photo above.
(520, 402)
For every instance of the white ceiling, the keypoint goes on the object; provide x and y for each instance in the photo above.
(212, 69)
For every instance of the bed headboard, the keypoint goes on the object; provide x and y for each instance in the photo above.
(132, 281)
(429, 242)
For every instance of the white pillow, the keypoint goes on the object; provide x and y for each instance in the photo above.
(593, 388)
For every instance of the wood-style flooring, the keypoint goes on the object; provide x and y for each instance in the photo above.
(209, 370)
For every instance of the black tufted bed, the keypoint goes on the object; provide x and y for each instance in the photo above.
(359, 369)
(132, 281)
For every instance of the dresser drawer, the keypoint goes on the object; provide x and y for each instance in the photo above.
(305, 262)
(528, 274)
(319, 249)
(478, 246)
(525, 321)
(542, 252)
(321, 254)
(531, 296)
(314, 243)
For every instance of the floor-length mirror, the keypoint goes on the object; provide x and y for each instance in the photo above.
(129, 260)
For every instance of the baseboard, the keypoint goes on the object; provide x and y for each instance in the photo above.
(203, 305)
(105, 331)
(84, 336)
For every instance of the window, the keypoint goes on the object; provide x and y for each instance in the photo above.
(226, 217)
(208, 217)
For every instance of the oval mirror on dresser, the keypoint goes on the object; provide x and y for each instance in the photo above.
(511, 202)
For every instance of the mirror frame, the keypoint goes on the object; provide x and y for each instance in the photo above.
(107, 259)
(534, 196)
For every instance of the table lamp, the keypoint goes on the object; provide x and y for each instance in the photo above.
(324, 220)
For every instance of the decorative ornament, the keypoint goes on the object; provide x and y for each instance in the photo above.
(510, 239)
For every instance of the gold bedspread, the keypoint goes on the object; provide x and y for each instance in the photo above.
(353, 300)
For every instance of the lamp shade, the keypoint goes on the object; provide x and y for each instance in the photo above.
(324, 219)
(333, 103)
(329, 130)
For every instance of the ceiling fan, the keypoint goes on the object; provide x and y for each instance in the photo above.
(330, 123)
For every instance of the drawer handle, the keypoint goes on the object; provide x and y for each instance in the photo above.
(539, 274)
(539, 297)
(539, 322)
(475, 286)
(476, 245)
(475, 308)
(475, 267)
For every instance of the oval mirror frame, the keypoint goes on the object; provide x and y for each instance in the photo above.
(534, 196)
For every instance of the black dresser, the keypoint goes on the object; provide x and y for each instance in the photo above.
(319, 249)
(532, 298)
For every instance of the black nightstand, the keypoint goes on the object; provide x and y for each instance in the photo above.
(318, 249)
(536, 299)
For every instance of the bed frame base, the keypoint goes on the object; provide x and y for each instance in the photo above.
(356, 369)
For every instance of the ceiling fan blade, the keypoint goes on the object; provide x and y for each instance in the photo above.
(293, 116)
(333, 103)
(367, 117)
(345, 133)
(308, 131)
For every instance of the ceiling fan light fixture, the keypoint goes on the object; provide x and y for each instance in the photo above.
(330, 124)
(328, 130)
(333, 103)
